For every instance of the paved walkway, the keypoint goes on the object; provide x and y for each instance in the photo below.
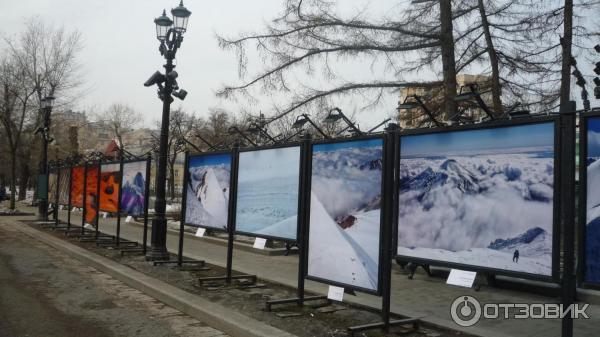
(44, 292)
(423, 296)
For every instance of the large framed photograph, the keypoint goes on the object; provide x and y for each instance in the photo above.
(481, 198)
(133, 190)
(207, 189)
(267, 193)
(110, 181)
(52, 187)
(589, 204)
(63, 186)
(344, 233)
(77, 184)
(91, 194)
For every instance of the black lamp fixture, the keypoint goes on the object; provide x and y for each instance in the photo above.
(469, 92)
(256, 128)
(232, 130)
(301, 120)
(467, 95)
(336, 114)
(169, 32)
(416, 102)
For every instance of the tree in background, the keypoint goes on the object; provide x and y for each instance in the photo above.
(309, 38)
(516, 42)
(41, 61)
(121, 118)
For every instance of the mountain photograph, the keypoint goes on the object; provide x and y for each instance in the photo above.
(345, 212)
(482, 198)
(267, 192)
(207, 190)
(592, 238)
(133, 188)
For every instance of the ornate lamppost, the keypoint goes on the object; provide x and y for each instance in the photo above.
(169, 33)
(46, 109)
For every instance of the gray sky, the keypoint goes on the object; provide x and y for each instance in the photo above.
(121, 51)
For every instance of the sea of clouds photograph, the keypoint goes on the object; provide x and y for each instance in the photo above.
(592, 244)
(207, 190)
(482, 198)
(267, 192)
(345, 211)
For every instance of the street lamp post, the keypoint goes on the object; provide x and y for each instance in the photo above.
(44, 130)
(170, 34)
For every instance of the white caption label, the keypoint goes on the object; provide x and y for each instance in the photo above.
(335, 293)
(461, 278)
(200, 232)
(260, 243)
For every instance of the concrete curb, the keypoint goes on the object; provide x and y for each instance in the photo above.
(215, 315)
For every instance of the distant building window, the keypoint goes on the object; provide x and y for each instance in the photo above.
(176, 173)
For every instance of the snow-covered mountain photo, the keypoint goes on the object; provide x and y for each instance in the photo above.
(592, 238)
(345, 209)
(481, 198)
(133, 188)
(267, 192)
(207, 190)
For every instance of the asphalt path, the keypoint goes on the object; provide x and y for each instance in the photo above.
(44, 292)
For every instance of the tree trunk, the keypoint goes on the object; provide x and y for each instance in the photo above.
(172, 176)
(23, 181)
(565, 82)
(491, 50)
(448, 60)
(13, 177)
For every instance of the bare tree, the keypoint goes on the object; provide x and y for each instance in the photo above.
(310, 36)
(181, 125)
(15, 109)
(121, 118)
(40, 61)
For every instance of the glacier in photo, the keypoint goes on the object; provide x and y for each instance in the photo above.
(482, 198)
(267, 192)
(592, 237)
(207, 191)
(345, 209)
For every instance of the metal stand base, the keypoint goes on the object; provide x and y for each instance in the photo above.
(132, 250)
(382, 325)
(113, 244)
(251, 278)
(76, 233)
(45, 223)
(201, 263)
(98, 238)
(299, 301)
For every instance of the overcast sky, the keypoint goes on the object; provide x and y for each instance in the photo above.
(121, 51)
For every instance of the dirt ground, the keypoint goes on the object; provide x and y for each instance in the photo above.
(316, 319)
(44, 292)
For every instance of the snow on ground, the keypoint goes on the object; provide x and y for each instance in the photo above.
(345, 213)
(352, 264)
